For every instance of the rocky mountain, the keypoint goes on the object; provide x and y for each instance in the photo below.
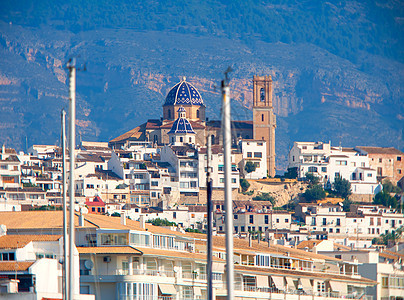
(320, 92)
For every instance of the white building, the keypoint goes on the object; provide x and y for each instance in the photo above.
(254, 151)
(217, 168)
(328, 162)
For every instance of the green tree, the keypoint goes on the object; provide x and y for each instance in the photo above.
(347, 204)
(316, 192)
(311, 179)
(250, 167)
(384, 198)
(389, 187)
(244, 184)
(291, 173)
(161, 222)
(265, 197)
(342, 187)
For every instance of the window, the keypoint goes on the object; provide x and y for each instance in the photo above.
(312, 169)
(155, 183)
(266, 218)
(398, 158)
(338, 222)
(242, 228)
(286, 220)
(399, 171)
(371, 221)
(220, 168)
(258, 154)
(181, 139)
(336, 174)
(249, 154)
(277, 220)
(362, 164)
(235, 217)
(369, 174)
(341, 162)
(262, 117)
(251, 219)
(262, 95)
(138, 176)
(337, 230)
(380, 160)
(233, 180)
(197, 113)
(385, 282)
(190, 139)
(324, 221)
(324, 169)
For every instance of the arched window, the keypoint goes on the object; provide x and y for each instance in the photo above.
(197, 113)
(212, 138)
(169, 114)
(262, 117)
(262, 95)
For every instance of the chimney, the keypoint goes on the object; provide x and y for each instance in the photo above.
(3, 149)
(269, 242)
(249, 240)
(81, 219)
(142, 221)
(123, 218)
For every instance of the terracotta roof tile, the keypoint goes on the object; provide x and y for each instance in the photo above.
(380, 150)
(15, 266)
(20, 241)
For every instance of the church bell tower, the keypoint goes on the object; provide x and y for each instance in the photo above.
(264, 118)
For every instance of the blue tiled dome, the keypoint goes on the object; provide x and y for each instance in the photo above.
(181, 125)
(183, 93)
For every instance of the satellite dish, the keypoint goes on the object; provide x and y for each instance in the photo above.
(88, 264)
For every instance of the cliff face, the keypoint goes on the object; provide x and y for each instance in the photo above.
(317, 95)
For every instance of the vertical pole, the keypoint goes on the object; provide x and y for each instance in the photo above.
(227, 187)
(210, 220)
(64, 191)
(72, 94)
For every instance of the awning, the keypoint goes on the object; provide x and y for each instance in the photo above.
(262, 281)
(338, 286)
(217, 267)
(197, 291)
(306, 285)
(291, 284)
(278, 280)
(167, 289)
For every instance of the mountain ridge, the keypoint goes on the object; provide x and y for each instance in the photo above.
(318, 95)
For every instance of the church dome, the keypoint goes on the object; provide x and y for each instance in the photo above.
(181, 125)
(183, 93)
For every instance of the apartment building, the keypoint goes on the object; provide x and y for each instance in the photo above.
(30, 267)
(363, 222)
(217, 168)
(254, 151)
(388, 162)
(328, 162)
(125, 259)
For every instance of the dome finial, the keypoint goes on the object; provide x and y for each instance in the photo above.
(184, 78)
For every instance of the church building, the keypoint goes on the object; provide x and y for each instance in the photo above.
(184, 121)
